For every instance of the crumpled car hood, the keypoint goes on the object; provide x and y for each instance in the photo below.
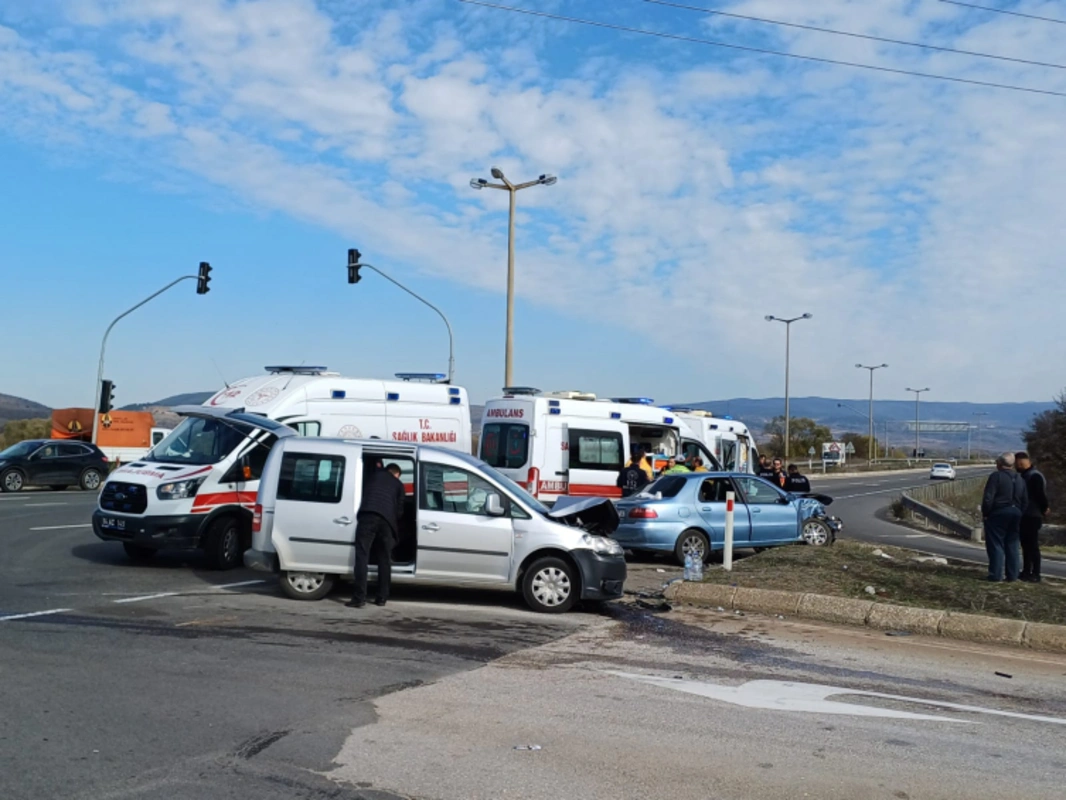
(595, 514)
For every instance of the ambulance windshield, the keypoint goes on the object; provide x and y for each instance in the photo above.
(197, 441)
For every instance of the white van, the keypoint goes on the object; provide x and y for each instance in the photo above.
(560, 444)
(464, 524)
(729, 440)
(196, 488)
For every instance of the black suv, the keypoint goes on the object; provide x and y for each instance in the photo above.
(51, 462)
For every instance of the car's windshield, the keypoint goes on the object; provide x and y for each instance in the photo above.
(197, 441)
(941, 466)
(515, 489)
(19, 450)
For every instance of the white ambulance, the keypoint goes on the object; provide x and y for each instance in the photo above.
(197, 487)
(729, 440)
(571, 444)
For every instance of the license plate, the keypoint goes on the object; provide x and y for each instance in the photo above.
(113, 524)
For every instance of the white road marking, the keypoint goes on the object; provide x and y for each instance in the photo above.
(146, 597)
(35, 614)
(42, 505)
(241, 583)
(812, 698)
(61, 527)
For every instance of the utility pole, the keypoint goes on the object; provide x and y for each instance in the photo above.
(871, 454)
(917, 421)
(788, 357)
(977, 414)
(512, 189)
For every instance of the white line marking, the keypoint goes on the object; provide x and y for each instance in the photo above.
(241, 583)
(35, 614)
(146, 597)
(61, 527)
(42, 505)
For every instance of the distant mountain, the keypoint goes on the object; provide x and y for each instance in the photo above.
(187, 399)
(12, 408)
(997, 426)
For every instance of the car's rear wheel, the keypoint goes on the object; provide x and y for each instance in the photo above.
(138, 553)
(817, 533)
(12, 481)
(692, 542)
(306, 585)
(91, 480)
(223, 543)
(550, 586)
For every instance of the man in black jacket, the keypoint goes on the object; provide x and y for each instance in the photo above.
(377, 527)
(633, 478)
(1001, 507)
(796, 482)
(1032, 517)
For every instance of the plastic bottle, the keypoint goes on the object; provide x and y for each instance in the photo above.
(697, 568)
(688, 566)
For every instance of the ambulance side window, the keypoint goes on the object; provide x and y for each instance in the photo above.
(595, 450)
(307, 428)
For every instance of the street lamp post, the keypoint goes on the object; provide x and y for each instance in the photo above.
(512, 189)
(202, 278)
(788, 354)
(917, 420)
(871, 454)
(354, 265)
(884, 423)
(976, 414)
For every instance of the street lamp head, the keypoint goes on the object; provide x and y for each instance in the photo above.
(884, 365)
(497, 173)
(478, 183)
(807, 316)
(548, 180)
(770, 317)
(859, 366)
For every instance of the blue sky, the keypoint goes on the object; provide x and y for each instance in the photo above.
(699, 189)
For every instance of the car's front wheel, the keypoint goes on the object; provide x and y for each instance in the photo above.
(550, 586)
(223, 543)
(692, 542)
(12, 481)
(817, 533)
(306, 585)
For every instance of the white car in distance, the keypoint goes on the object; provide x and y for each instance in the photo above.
(942, 472)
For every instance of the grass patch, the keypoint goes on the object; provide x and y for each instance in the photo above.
(901, 580)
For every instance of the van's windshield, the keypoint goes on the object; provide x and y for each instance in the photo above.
(197, 441)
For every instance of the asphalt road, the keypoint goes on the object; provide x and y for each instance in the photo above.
(863, 504)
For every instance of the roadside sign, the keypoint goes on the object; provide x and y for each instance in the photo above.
(810, 451)
(850, 449)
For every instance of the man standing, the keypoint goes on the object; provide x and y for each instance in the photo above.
(795, 482)
(765, 469)
(633, 478)
(640, 460)
(777, 476)
(675, 466)
(377, 527)
(1032, 517)
(1004, 499)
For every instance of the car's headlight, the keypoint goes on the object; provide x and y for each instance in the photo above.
(179, 490)
(602, 545)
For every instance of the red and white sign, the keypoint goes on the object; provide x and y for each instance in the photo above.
(505, 413)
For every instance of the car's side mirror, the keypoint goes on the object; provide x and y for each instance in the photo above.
(494, 505)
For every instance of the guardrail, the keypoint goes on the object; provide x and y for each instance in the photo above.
(928, 516)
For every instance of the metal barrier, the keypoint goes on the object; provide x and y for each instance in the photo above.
(913, 504)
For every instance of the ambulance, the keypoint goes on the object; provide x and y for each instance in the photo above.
(196, 488)
(729, 440)
(572, 444)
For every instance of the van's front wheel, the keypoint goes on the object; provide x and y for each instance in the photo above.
(223, 543)
(306, 585)
(550, 586)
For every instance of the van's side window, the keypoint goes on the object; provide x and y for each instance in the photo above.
(454, 490)
(307, 428)
(311, 478)
(595, 450)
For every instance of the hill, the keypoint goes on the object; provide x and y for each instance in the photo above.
(186, 399)
(12, 408)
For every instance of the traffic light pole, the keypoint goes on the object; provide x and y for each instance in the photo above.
(103, 347)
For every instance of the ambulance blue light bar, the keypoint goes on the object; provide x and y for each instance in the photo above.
(432, 377)
(639, 401)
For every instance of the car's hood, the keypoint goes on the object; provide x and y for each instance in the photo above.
(595, 514)
(151, 473)
(824, 499)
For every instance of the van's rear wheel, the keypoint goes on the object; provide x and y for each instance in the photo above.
(306, 585)
(223, 543)
(550, 586)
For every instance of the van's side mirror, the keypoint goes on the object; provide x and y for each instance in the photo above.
(494, 505)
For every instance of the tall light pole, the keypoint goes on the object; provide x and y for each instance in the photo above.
(202, 278)
(870, 452)
(354, 265)
(512, 189)
(917, 421)
(976, 414)
(884, 423)
(788, 355)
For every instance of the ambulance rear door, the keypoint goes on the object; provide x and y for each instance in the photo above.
(596, 452)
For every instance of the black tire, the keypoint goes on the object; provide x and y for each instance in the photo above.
(57, 488)
(306, 585)
(817, 533)
(138, 553)
(91, 479)
(551, 585)
(224, 543)
(12, 481)
(693, 541)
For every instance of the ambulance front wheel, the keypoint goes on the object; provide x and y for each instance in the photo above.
(223, 543)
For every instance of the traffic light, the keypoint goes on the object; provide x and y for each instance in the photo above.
(203, 278)
(107, 397)
(354, 265)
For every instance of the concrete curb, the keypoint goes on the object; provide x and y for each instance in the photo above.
(872, 614)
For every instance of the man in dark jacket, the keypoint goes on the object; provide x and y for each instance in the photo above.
(778, 477)
(795, 482)
(633, 478)
(377, 528)
(1032, 517)
(765, 469)
(1001, 507)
